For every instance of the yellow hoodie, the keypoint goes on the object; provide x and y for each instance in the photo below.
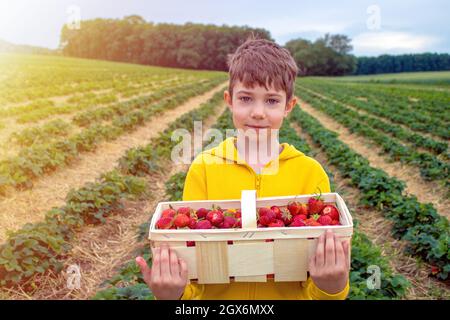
(220, 173)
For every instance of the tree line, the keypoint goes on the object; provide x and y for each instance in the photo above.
(206, 47)
(403, 63)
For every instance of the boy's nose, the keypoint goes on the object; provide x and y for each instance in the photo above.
(258, 112)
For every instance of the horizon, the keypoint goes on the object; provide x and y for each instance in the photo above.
(375, 29)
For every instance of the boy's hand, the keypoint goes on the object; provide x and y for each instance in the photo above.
(329, 267)
(168, 276)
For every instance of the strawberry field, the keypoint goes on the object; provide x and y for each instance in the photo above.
(85, 156)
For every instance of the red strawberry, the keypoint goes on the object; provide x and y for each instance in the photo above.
(325, 220)
(335, 223)
(238, 213)
(184, 210)
(192, 223)
(286, 216)
(168, 213)
(261, 225)
(297, 223)
(239, 223)
(263, 211)
(303, 209)
(202, 212)
(293, 207)
(276, 223)
(434, 270)
(277, 211)
(299, 217)
(164, 223)
(267, 217)
(215, 217)
(229, 222)
(204, 224)
(312, 222)
(332, 211)
(181, 220)
(315, 204)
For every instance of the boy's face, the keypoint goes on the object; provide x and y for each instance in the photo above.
(257, 108)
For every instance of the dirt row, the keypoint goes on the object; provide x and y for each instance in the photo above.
(377, 228)
(99, 251)
(363, 112)
(50, 191)
(425, 191)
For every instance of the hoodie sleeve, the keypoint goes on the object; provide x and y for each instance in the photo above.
(195, 183)
(314, 293)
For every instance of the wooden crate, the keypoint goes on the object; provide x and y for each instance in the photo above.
(250, 258)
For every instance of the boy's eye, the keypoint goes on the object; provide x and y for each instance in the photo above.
(245, 99)
(272, 101)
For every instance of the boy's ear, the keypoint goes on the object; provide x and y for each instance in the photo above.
(290, 105)
(228, 99)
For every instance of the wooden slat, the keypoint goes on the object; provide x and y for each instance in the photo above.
(250, 257)
(291, 259)
(212, 262)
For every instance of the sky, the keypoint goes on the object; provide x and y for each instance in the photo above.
(375, 27)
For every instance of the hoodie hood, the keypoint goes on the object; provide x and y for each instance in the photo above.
(227, 150)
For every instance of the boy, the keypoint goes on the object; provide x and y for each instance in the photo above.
(260, 96)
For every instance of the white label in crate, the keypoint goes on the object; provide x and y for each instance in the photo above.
(248, 208)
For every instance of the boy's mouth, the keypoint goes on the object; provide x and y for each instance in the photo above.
(256, 127)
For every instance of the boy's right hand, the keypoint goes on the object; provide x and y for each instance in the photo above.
(168, 276)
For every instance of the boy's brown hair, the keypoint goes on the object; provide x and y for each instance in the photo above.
(263, 62)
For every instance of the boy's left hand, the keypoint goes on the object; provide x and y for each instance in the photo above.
(329, 268)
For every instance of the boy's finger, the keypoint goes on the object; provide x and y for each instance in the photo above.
(346, 248)
(183, 271)
(165, 262)
(340, 255)
(156, 265)
(174, 267)
(330, 254)
(320, 258)
(145, 269)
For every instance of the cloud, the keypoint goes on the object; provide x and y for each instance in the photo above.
(392, 42)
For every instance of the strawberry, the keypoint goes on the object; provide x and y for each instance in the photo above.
(164, 223)
(204, 224)
(267, 217)
(181, 221)
(185, 210)
(239, 223)
(215, 216)
(303, 209)
(192, 223)
(277, 211)
(435, 270)
(190, 243)
(332, 211)
(299, 217)
(168, 213)
(315, 204)
(293, 207)
(238, 213)
(325, 220)
(335, 222)
(276, 224)
(229, 222)
(312, 221)
(263, 211)
(297, 223)
(286, 216)
(201, 213)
